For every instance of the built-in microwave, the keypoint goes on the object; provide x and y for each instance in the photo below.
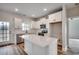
(42, 26)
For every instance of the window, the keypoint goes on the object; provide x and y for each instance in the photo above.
(4, 31)
(25, 27)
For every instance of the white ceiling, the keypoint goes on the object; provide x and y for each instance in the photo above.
(30, 9)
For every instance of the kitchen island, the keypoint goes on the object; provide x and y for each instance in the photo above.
(39, 45)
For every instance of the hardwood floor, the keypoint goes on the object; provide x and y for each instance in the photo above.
(11, 50)
(21, 45)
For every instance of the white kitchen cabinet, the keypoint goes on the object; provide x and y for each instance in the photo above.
(42, 21)
(33, 24)
(51, 17)
(56, 17)
(18, 23)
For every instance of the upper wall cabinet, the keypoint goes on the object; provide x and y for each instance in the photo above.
(33, 24)
(18, 23)
(56, 17)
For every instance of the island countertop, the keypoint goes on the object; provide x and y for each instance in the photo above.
(42, 41)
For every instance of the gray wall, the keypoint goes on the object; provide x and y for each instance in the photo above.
(74, 28)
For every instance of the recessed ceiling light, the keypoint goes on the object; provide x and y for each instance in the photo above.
(33, 15)
(45, 9)
(16, 9)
